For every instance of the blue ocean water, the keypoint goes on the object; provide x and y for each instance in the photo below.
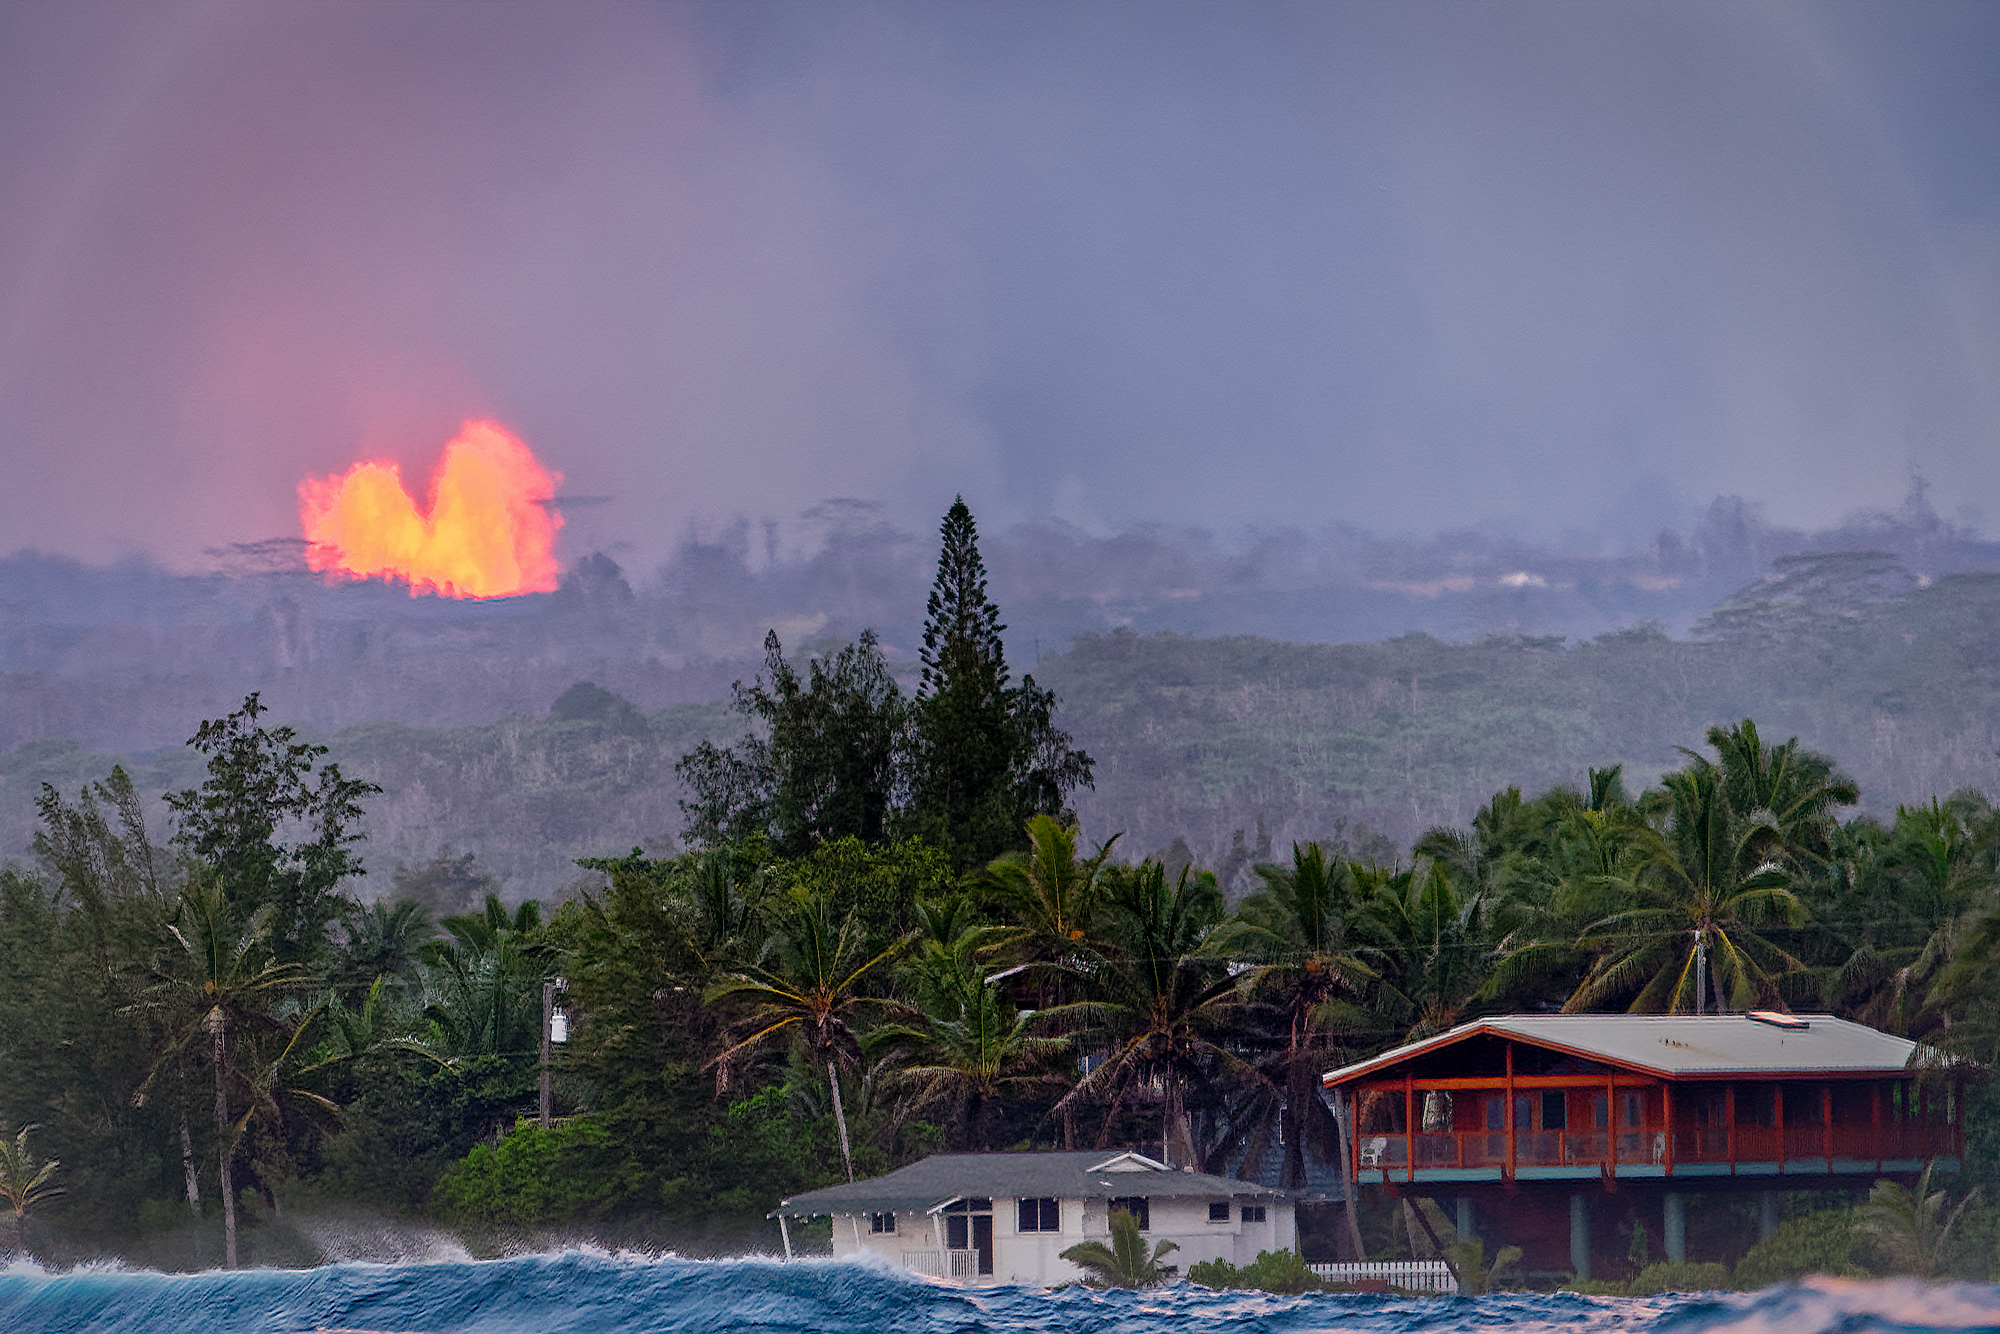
(600, 1293)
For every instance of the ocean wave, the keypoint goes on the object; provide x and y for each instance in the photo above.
(588, 1291)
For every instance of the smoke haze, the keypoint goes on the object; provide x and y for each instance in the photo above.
(1557, 272)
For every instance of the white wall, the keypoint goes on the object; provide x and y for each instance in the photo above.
(1035, 1258)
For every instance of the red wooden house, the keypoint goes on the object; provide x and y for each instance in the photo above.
(1519, 1111)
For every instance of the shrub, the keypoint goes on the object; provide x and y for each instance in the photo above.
(1679, 1276)
(1821, 1242)
(1271, 1271)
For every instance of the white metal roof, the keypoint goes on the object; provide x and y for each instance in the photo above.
(1681, 1045)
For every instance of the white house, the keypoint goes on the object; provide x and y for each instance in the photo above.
(986, 1218)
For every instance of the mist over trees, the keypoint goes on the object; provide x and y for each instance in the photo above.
(537, 730)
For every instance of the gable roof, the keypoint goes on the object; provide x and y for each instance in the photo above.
(1680, 1046)
(943, 1177)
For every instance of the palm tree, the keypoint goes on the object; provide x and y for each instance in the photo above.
(1305, 979)
(217, 976)
(1158, 1002)
(1125, 1263)
(23, 1182)
(487, 977)
(1795, 791)
(972, 1050)
(1426, 942)
(1703, 891)
(1055, 901)
(1583, 867)
(1058, 910)
(1924, 892)
(381, 940)
(810, 996)
(1911, 1226)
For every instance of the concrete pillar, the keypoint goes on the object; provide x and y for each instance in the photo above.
(1767, 1214)
(1466, 1227)
(1579, 1235)
(1676, 1226)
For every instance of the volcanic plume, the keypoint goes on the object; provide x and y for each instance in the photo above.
(489, 532)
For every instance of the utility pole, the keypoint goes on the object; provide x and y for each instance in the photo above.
(1700, 971)
(548, 1016)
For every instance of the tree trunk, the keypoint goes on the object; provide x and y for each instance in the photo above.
(187, 1169)
(1348, 1187)
(840, 1118)
(187, 1149)
(218, 1024)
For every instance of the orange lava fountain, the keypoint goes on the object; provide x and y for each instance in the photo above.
(489, 533)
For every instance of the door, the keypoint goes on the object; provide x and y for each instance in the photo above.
(982, 1241)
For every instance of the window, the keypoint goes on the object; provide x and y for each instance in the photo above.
(1635, 1109)
(881, 1222)
(968, 1226)
(1253, 1213)
(1136, 1205)
(1600, 1109)
(1555, 1110)
(1437, 1113)
(1218, 1211)
(1042, 1215)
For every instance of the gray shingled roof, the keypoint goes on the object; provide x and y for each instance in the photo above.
(1682, 1045)
(943, 1177)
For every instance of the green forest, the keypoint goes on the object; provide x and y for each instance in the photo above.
(889, 934)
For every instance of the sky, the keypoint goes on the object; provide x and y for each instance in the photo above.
(1565, 271)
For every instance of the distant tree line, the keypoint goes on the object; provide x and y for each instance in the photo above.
(889, 937)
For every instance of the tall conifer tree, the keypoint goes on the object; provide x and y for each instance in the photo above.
(987, 756)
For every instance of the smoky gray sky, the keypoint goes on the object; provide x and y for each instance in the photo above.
(1564, 270)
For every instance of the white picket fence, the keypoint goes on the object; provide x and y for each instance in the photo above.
(1413, 1275)
(943, 1264)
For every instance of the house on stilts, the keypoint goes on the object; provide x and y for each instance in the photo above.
(1559, 1133)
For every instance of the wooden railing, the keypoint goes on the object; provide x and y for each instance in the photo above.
(1899, 1141)
(943, 1264)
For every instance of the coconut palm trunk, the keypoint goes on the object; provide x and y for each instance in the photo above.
(840, 1118)
(217, 1024)
(188, 1173)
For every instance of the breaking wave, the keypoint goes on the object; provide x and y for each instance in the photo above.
(590, 1292)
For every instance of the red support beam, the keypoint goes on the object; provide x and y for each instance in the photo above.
(1510, 1111)
(1409, 1124)
(1667, 1115)
(1877, 1112)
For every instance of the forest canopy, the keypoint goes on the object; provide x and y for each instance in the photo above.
(891, 936)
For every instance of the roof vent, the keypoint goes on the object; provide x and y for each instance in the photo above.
(1776, 1020)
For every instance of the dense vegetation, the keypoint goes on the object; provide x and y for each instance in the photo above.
(826, 984)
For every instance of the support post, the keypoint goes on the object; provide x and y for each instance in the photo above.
(1409, 1125)
(1510, 1111)
(1579, 1235)
(1778, 1116)
(548, 1012)
(1875, 1111)
(1466, 1228)
(1767, 1214)
(1667, 1121)
(786, 1233)
(1729, 1123)
(1675, 1226)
